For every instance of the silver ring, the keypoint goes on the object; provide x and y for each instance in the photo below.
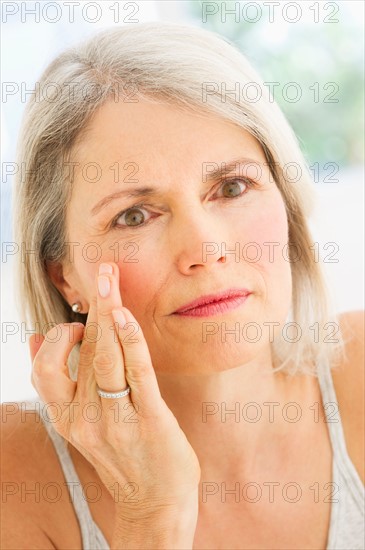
(113, 395)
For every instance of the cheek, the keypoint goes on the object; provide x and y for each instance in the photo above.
(266, 234)
(268, 255)
(139, 280)
(134, 283)
(138, 276)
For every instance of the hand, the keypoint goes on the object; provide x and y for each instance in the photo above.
(135, 439)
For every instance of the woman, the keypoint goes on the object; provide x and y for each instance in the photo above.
(168, 219)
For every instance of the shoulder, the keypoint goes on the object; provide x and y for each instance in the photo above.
(22, 436)
(21, 439)
(349, 383)
(352, 324)
(349, 376)
(31, 480)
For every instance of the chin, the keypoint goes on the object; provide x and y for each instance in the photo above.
(209, 358)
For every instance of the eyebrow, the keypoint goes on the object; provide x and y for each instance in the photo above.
(132, 192)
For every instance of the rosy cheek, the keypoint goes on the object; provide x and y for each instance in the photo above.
(136, 282)
(270, 227)
(132, 278)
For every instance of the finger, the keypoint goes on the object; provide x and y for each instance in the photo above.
(88, 344)
(108, 360)
(139, 370)
(50, 370)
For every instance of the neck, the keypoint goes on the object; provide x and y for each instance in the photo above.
(232, 417)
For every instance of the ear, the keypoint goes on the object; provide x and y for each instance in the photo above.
(56, 274)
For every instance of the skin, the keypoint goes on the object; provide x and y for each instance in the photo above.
(170, 271)
(171, 370)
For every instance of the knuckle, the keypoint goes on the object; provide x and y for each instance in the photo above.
(86, 439)
(93, 301)
(130, 342)
(86, 353)
(92, 333)
(105, 314)
(139, 370)
(54, 333)
(104, 363)
(131, 338)
(48, 371)
(104, 358)
(118, 437)
(36, 370)
(43, 366)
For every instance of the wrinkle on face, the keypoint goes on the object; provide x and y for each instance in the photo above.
(170, 148)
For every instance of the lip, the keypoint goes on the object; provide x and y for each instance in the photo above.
(211, 304)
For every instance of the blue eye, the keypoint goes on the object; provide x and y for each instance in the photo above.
(136, 217)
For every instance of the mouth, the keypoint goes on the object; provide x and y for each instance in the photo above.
(214, 304)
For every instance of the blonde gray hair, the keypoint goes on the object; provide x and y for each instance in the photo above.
(176, 64)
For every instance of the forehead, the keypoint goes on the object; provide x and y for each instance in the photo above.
(159, 136)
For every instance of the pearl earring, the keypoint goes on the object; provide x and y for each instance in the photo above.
(76, 307)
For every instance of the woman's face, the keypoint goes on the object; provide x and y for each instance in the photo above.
(169, 248)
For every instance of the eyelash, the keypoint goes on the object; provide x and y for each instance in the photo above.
(249, 183)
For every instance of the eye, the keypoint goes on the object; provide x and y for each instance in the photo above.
(231, 187)
(134, 217)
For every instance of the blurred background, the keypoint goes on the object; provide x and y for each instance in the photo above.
(310, 54)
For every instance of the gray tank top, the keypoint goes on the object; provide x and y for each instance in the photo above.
(346, 531)
(347, 523)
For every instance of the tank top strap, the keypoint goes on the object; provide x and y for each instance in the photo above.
(336, 433)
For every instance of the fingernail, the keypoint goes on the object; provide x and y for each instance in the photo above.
(105, 268)
(119, 317)
(103, 286)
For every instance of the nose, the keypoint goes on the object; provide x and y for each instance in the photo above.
(198, 237)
